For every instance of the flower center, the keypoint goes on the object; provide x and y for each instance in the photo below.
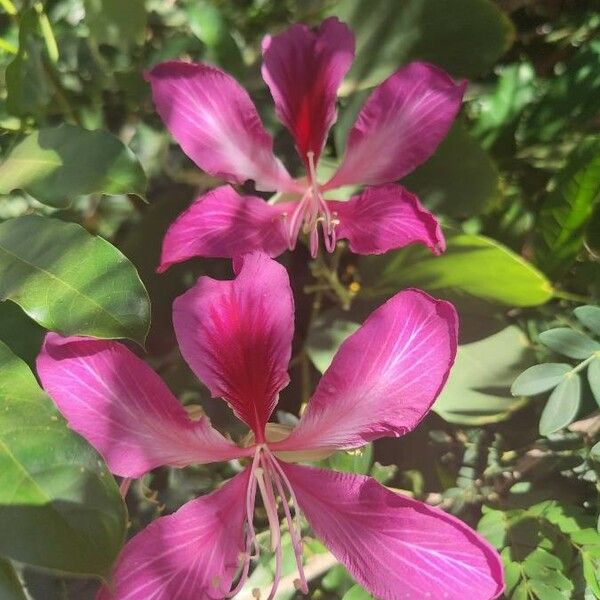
(268, 478)
(310, 211)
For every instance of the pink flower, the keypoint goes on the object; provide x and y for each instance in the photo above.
(236, 336)
(213, 119)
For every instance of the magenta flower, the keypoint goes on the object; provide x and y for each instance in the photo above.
(213, 119)
(236, 336)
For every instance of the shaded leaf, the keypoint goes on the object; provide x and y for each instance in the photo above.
(593, 373)
(478, 389)
(70, 281)
(562, 406)
(590, 317)
(10, 586)
(568, 208)
(56, 164)
(539, 378)
(115, 22)
(357, 593)
(60, 508)
(569, 342)
(389, 34)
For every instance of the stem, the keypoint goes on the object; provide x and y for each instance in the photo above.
(321, 270)
(47, 33)
(584, 363)
(563, 295)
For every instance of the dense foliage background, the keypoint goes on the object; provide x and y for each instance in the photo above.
(90, 180)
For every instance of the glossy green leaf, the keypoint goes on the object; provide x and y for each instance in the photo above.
(28, 87)
(60, 508)
(57, 164)
(539, 378)
(593, 373)
(569, 342)
(10, 586)
(460, 179)
(567, 209)
(562, 406)
(590, 317)
(357, 593)
(389, 34)
(478, 389)
(472, 265)
(70, 281)
(115, 22)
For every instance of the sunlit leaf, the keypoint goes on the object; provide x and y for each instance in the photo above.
(70, 281)
(115, 22)
(60, 508)
(56, 164)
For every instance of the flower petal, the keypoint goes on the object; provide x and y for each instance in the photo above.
(384, 378)
(188, 555)
(400, 126)
(122, 407)
(386, 217)
(394, 546)
(213, 119)
(303, 70)
(237, 336)
(223, 224)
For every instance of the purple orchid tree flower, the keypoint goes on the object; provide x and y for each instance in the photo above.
(236, 336)
(216, 124)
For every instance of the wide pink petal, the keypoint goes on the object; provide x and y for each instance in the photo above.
(394, 546)
(223, 224)
(303, 70)
(215, 122)
(384, 378)
(237, 336)
(189, 555)
(400, 126)
(386, 217)
(122, 407)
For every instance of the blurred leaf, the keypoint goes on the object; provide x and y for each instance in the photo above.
(568, 208)
(60, 508)
(20, 333)
(460, 179)
(325, 336)
(390, 34)
(570, 99)
(478, 389)
(10, 586)
(70, 281)
(472, 265)
(593, 373)
(356, 461)
(539, 378)
(590, 317)
(562, 406)
(383, 473)
(28, 87)
(116, 22)
(500, 108)
(569, 342)
(56, 164)
(357, 593)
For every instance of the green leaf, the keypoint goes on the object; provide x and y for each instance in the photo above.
(568, 208)
(390, 34)
(20, 333)
(590, 573)
(460, 179)
(569, 342)
(356, 461)
(27, 83)
(115, 22)
(544, 591)
(539, 378)
(70, 281)
(60, 508)
(10, 586)
(472, 265)
(478, 389)
(326, 335)
(562, 406)
(590, 317)
(593, 373)
(493, 526)
(56, 164)
(357, 593)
